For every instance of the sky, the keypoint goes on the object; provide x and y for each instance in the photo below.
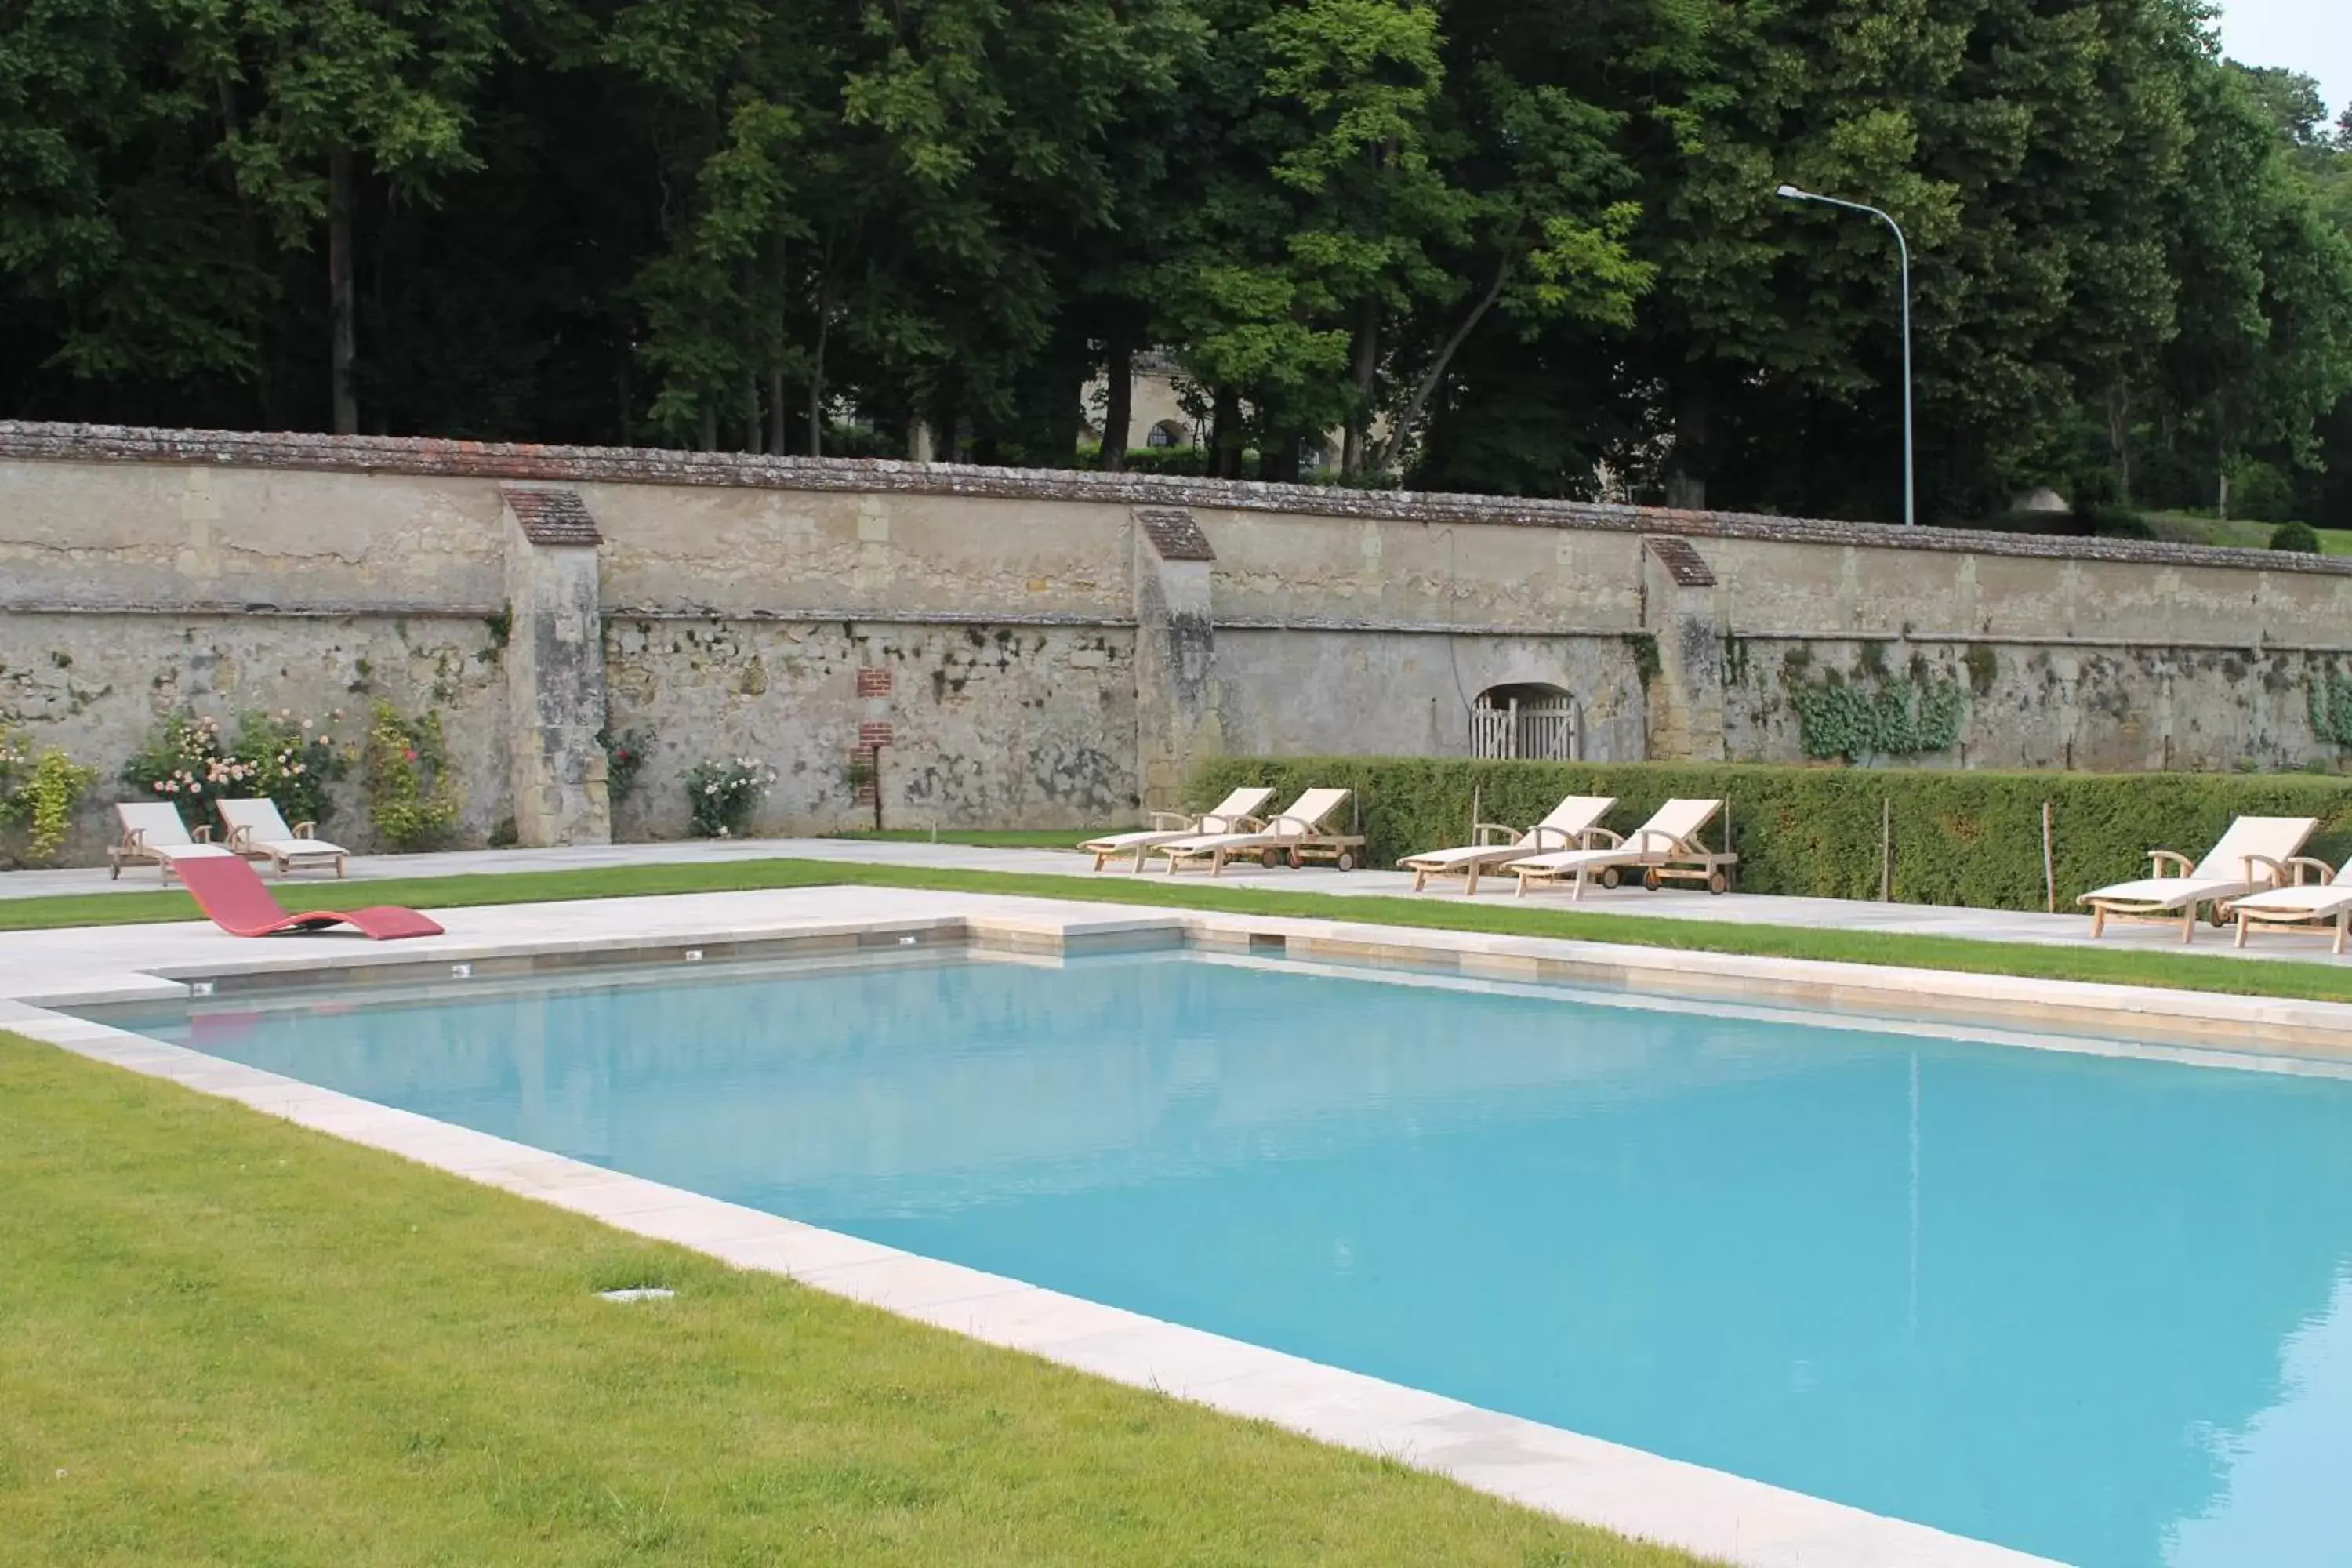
(2314, 36)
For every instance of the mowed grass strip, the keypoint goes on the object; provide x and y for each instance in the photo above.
(226, 1340)
(1617, 921)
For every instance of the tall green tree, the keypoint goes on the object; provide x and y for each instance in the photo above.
(316, 95)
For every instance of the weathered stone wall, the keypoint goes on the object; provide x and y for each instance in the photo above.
(1036, 649)
(2117, 708)
(1009, 726)
(97, 681)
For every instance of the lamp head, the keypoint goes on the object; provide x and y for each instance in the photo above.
(1791, 193)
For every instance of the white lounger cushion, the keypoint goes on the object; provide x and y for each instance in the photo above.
(157, 822)
(2222, 873)
(2312, 898)
(2171, 892)
(1242, 802)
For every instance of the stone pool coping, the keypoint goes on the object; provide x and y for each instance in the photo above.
(1562, 1472)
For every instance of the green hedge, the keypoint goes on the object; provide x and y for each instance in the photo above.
(1968, 839)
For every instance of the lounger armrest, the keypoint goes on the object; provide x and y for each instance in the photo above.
(202, 833)
(1606, 838)
(305, 830)
(1542, 837)
(239, 837)
(1658, 841)
(2278, 871)
(1487, 833)
(2157, 858)
(1293, 827)
(2320, 869)
(134, 838)
(1160, 819)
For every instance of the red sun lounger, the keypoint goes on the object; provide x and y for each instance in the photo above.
(228, 889)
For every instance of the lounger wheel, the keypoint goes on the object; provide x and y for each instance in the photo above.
(1610, 876)
(1346, 861)
(1270, 858)
(2217, 916)
(1718, 881)
(1650, 879)
(1299, 860)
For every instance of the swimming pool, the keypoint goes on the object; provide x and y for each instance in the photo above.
(2090, 1307)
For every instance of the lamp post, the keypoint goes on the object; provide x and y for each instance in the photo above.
(1902, 251)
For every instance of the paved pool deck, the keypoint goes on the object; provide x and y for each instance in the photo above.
(1671, 903)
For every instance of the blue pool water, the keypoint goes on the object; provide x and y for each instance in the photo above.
(2087, 1307)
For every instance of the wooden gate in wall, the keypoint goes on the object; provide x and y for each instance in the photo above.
(1540, 731)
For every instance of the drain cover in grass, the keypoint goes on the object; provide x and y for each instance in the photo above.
(638, 1293)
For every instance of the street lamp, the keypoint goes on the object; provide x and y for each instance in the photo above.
(1910, 488)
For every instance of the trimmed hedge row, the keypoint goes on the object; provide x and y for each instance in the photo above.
(1961, 838)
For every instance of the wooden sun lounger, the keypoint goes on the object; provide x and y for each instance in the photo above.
(2313, 908)
(1570, 826)
(1234, 813)
(1665, 849)
(258, 832)
(153, 835)
(1294, 836)
(2251, 857)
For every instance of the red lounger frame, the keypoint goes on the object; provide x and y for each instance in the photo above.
(228, 889)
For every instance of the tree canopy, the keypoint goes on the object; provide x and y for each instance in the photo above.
(1517, 246)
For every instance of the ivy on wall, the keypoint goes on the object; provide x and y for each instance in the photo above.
(2331, 707)
(1872, 714)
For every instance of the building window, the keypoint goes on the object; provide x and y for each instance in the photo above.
(1166, 433)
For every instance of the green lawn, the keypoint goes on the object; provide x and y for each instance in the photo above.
(225, 1340)
(2199, 528)
(1618, 922)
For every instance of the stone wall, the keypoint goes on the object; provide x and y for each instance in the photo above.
(1054, 650)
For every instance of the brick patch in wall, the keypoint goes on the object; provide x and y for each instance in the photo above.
(874, 683)
(551, 517)
(1174, 533)
(871, 738)
(1683, 563)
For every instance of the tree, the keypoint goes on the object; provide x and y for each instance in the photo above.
(316, 95)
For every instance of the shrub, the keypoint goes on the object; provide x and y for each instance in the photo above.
(1190, 462)
(2295, 536)
(2260, 491)
(720, 796)
(625, 758)
(188, 762)
(411, 792)
(291, 761)
(2120, 523)
(1960, 838)
(39, 791)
